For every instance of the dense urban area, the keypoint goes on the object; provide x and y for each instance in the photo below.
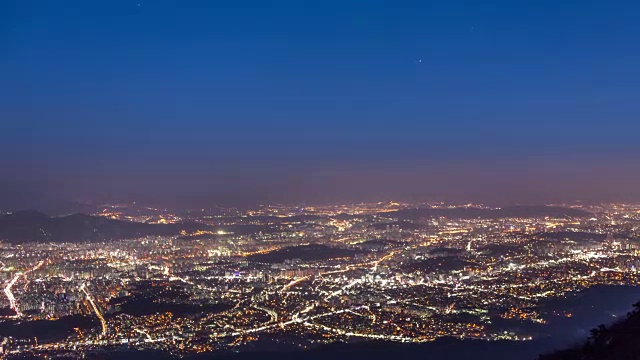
(296, 277)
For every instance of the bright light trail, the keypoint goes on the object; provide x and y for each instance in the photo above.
(7, 290)
(294, 282)
(12, 300)
(103, 322)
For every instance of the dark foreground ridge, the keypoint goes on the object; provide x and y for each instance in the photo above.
(619, 341)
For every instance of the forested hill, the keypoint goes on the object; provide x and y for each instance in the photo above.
(619, 341)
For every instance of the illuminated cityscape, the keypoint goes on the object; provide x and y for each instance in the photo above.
(306, 276)
(319, 180)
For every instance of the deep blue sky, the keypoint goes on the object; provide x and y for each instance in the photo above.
(320, 100)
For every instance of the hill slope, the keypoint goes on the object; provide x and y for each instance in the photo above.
(615, 342)
(33, 226)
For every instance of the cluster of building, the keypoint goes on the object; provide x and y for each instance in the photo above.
(309, 276)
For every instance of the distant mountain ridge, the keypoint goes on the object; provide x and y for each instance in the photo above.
(506, 212)
(34, 226)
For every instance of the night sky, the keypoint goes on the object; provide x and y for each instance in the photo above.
(193, 103)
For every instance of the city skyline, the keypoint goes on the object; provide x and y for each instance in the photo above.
(132, 280)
